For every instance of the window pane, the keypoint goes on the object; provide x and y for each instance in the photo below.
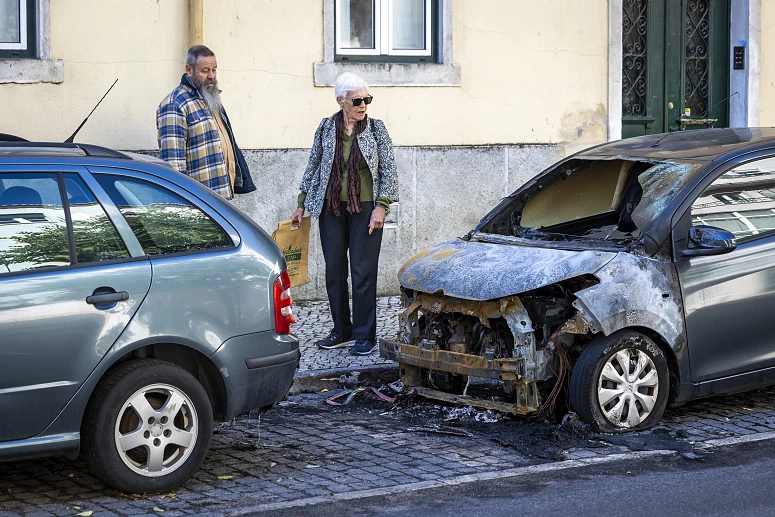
(162, 221)
(96, 239)
(356, 20)
(33, 228)
(10, 23)
(409, 24)
(741, 201)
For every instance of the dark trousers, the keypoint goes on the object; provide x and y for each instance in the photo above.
(337, 236)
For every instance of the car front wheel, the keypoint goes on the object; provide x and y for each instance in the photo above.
(148, 427)
(620, 383)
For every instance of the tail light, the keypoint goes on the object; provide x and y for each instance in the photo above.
(283, 315)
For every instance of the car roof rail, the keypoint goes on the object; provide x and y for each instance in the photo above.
(96, 150)
(88, 149)
(5, 137)
(26, 143)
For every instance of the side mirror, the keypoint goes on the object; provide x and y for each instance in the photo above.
(708, 240)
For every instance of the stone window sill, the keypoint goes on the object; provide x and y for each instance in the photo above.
(390, 74)
(31, 71)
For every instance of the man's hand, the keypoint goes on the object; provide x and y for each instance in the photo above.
(296, 217)
(377, 218)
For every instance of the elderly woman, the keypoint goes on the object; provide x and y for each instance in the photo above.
(349, 184)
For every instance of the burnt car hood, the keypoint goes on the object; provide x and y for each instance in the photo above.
(485, 271)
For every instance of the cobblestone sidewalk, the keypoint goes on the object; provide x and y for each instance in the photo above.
(314, 322)
(305, 448)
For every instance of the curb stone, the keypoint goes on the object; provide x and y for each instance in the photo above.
(312, 381)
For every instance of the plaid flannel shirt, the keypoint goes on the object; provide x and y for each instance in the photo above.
(189, 139)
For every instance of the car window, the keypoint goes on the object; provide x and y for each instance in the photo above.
(96, 239)
(742, 200)
(33, 228)
(162, 221)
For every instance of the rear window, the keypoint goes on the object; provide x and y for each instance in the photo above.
(161, 220)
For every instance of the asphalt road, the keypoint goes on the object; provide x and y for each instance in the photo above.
(732, 480)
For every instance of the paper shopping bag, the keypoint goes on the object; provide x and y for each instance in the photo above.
(294, 243)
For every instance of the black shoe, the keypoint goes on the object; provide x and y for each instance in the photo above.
(364, 346)
(333, 341)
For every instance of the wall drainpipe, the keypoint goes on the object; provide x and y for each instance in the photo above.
(195, 22)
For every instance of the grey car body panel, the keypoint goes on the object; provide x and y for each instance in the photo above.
(43, 446)
(486, 271)
(52, 339)
(728, 300)
(261, 386)
(233, 285)
(229, 296)
(71, 416)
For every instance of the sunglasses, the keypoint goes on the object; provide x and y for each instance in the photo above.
(367, 100)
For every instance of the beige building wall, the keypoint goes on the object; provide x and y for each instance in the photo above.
(532, 72)
(139, 42)
(767, 69)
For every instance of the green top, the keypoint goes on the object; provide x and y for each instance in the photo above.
(367, 182)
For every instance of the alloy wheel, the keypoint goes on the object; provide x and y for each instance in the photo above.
(156, 430)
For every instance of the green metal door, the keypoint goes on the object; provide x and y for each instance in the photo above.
(675, 65)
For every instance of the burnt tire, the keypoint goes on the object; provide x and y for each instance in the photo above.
(620, 383)
(148, 427)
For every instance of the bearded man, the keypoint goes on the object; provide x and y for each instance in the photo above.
(195, 135)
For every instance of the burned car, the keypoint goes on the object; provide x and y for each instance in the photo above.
(627, 277)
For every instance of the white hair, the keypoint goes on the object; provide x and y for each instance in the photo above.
(348, 82)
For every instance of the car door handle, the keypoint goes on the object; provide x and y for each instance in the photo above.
(119, 296)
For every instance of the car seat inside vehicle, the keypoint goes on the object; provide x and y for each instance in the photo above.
(18, 195)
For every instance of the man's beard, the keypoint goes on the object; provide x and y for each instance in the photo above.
(212, 96)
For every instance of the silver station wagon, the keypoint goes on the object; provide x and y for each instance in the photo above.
(136, 307)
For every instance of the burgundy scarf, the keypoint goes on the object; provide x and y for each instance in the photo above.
(353, 169)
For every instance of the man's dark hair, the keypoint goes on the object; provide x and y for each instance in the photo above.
(195, 52)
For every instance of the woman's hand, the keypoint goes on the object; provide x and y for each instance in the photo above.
(377, 218)
(296, 217)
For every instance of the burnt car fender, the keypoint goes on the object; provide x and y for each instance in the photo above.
(636, 291)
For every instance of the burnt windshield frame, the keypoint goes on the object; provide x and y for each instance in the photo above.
(646, 214)
(653, 205)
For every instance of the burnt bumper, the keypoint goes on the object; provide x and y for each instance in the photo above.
(413, 358)
(454, 362)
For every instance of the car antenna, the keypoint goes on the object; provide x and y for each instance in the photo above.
(655, 144)
(70, 139)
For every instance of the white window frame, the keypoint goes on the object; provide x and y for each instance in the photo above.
(383, 32)
(41, 69)
(22, 45)
(445, 73)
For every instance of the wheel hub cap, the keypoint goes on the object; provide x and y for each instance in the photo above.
(627, 388)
